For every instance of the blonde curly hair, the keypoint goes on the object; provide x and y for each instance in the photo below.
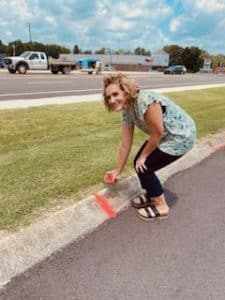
(127, 84)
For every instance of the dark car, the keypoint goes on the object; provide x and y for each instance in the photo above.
(177, 69)
(2, 65)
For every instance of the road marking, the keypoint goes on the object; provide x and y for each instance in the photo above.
(50, 92)
(49, 82)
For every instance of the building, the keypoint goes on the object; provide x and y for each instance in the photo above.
(160, 59)
(125, 62)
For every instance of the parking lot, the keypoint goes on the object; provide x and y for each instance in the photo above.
(36, 85)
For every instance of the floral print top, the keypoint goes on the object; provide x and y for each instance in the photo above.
(179, 128)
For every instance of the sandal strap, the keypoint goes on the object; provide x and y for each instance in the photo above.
(143, 201)
(150, 211)
(143, 198)
(156, 212)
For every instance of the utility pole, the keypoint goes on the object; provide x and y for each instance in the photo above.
(14, 49)
(29, 32)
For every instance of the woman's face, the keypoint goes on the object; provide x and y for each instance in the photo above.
(115, 97)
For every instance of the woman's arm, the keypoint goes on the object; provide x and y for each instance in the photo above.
(126, 143)
(154, 120)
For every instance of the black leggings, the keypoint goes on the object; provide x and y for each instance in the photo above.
(155, 161)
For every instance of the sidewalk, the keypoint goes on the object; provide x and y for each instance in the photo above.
(11, 104)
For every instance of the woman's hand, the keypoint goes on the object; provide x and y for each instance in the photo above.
(140, 164)
(111, 176)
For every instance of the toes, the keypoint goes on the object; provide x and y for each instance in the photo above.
(137, 200)
(143, 212)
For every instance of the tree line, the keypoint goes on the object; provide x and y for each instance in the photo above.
(192, 57)
(103, 50)
(17, 47)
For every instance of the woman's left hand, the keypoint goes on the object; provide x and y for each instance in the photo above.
(140, 164)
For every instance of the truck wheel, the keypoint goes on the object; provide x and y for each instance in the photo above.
(12, 71)
(22, 69)
(54, 71)
(65, 70)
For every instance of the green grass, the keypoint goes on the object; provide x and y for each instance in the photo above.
(50, 156)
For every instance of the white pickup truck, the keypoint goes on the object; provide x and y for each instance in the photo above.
(34, 60)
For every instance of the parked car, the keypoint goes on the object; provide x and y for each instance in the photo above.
(2, 65)
(108, 67)
(176, 69)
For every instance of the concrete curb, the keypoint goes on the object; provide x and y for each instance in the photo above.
(20, 251)
(14, 104)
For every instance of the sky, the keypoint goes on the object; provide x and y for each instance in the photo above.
(128, 24)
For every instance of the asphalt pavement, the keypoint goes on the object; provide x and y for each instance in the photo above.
(181, 257)
(38, 85)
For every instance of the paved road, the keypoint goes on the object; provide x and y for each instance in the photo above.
(42, 85)
(180, 258)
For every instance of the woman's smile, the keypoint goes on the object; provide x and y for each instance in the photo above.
(115, 97)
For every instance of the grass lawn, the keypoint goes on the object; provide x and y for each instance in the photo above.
(52, 156)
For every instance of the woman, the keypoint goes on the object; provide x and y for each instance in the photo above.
(171, 132)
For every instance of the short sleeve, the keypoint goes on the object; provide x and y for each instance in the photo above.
(146, 100)
(126, 119)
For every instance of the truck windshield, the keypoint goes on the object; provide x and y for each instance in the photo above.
(25, 54)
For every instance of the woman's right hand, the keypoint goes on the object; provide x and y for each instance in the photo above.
(111, 176)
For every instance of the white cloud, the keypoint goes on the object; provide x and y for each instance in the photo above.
(174, 25)
(102, 8)
(3, 3)
(116, 23)
(210, 6)
(128, 10)
(8, 33)
(135, 13)
(20, 10)
(2, 22)
(51, 20)
(222, 25)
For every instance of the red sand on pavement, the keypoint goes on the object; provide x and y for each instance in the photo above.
(105, 205)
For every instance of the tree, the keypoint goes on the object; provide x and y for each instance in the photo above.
(192, 58)
(101, 51)
(54, 50)
(123, 51)
(64, 50)
(36, 46)
(141, 51)
(175, 53)
(3, 48)
(87, 52)
(76, 49)
(218, 60)
(20, 47)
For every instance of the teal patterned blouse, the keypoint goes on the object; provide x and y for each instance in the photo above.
(179, 128)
